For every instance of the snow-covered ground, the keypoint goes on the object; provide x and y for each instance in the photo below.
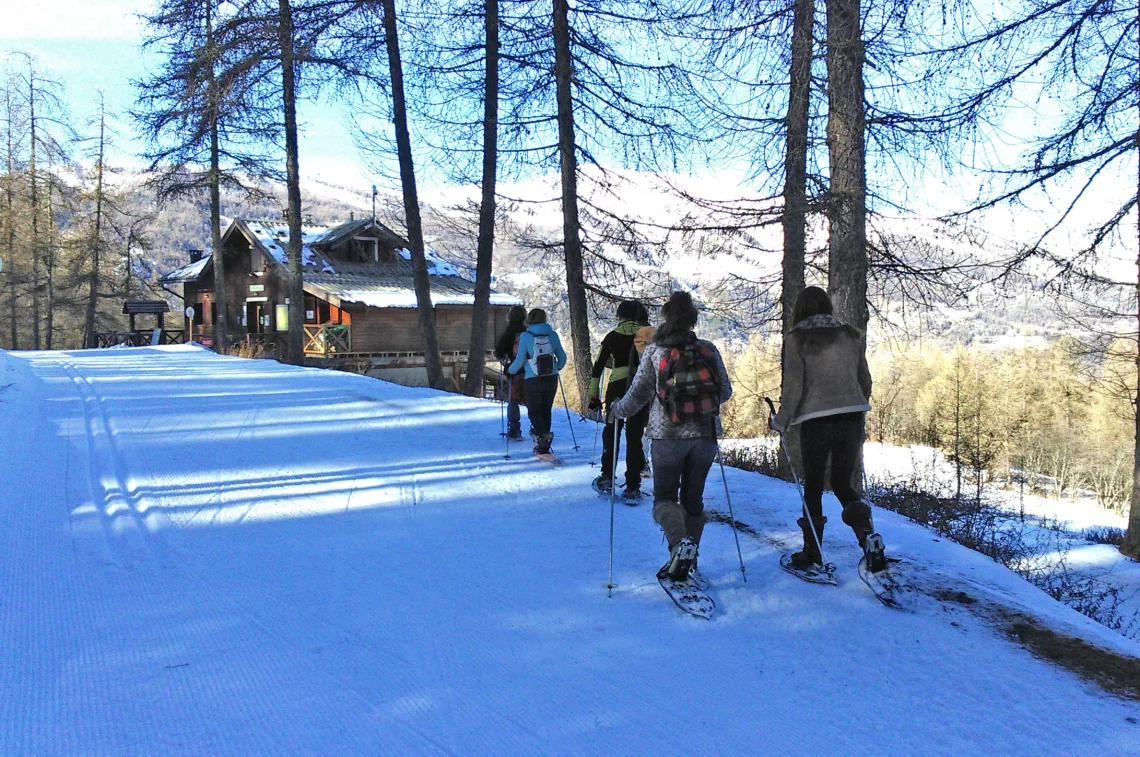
(203, 555)
(1056, 533)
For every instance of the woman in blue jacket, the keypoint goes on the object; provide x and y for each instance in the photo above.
(541, 356)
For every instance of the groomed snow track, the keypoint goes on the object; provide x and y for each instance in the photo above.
(203, 555)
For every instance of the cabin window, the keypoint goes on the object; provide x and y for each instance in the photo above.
(256, 261)
(199, 313)
(366, 249)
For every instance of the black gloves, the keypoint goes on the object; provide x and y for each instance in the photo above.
(594, 404)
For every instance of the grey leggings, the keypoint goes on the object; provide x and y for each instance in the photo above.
(680, 467)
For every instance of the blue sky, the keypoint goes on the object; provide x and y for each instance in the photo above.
(93, 45)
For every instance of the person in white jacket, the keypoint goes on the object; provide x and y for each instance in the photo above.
(683, 425)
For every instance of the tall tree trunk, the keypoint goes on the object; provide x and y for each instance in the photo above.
(127, 269)
(50, 260)
(97, 237)
(795, 159)
(571, 226)
(1131, 545)
(35, 246)
(10, 263)
(847, 203)
(476, 353)
(295, 347)
(847, 207)
(221, 302)
(794, 218)
(424, 306)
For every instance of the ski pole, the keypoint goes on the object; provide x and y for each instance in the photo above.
(799, 486)
(610, 584)
(507, 437)
(728, 499)
(502, 400)
(569, 423)
(597, 424)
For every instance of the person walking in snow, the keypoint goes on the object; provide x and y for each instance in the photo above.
(826, 392)
(684, 382)
(505, 350)
(541, 356)
(615, 353)
(642, 339)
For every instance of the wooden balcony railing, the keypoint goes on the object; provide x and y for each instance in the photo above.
(328, 339)
(139, 338)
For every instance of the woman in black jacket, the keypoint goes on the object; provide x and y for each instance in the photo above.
(505, 350)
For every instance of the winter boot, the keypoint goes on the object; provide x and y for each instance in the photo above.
(809, 555)
(631, 495)
(875, 553)
(603, 485)
(681, 558)
(695, 527)
(857, 514)
(542, 443)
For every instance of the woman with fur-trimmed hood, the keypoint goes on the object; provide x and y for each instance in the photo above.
(826, 392)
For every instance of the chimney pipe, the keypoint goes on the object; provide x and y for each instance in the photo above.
(196, 255)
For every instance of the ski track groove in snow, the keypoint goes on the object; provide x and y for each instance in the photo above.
(214, 556)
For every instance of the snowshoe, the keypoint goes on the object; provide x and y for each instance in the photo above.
(884, 583)
(549, 457)
(816, 573)
(631, 496)
(688, 595)
(699, 578)
(515, 437)
(603, 486)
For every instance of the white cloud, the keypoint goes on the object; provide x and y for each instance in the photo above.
(71, 19)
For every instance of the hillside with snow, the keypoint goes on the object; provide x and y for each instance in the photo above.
(650, 233)
(205, 555)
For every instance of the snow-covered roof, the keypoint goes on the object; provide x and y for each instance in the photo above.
(274, 237)
(186, 273)
(437, 266)
(342, 289)
(384, 284)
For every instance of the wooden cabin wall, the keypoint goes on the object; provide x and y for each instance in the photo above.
(397, 329)
(239, 279)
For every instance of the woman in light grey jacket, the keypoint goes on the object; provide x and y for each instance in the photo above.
(683, 431)
(826, 392)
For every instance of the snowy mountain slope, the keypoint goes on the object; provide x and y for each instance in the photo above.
(202, 555)
(651, 232)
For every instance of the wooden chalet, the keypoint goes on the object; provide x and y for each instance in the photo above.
(360, 302)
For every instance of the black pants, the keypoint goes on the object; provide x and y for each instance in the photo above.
(840, 438)
(634, 431)
(540, 394)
